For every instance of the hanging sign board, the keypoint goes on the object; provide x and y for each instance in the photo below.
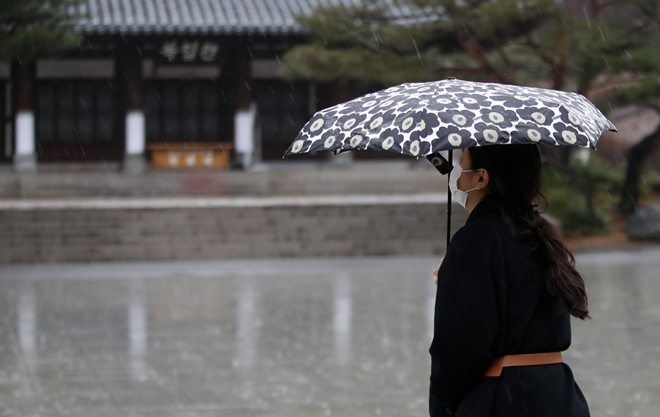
(194, 51)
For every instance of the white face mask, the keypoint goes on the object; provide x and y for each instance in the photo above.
(457, 195)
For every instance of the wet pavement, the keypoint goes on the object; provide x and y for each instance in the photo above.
(340, 337)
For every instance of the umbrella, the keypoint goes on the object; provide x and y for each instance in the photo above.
(423, 119)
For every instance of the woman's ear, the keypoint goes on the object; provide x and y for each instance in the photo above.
(483, 180)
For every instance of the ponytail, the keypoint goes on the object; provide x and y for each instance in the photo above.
(563, 281)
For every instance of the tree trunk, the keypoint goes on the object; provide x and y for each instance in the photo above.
(478, 55)
(636, 157)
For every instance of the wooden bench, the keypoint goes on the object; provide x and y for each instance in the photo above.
(182, 155)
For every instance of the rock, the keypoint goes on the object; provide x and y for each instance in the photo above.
(644, 223)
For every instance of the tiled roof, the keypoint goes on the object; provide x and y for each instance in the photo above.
(199, 16)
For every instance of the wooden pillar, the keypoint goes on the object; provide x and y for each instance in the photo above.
(243, 92)
(133, 73)
(6, 144)
(25, 158)
(246, 111)
(135, 125)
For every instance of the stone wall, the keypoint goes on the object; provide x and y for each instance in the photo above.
(380, 179)
(223, 228)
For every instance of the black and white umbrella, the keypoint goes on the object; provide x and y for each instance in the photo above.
(420, 119)
(423, 119)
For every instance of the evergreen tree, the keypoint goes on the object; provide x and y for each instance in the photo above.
(641, 87)
(417, 40)
(30, 28)
(603, 49)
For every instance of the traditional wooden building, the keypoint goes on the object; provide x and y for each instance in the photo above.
(196, 79)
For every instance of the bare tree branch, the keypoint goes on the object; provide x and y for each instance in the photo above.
(477, 53)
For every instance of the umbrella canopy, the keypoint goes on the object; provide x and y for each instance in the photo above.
(423, 119)
(420, 119)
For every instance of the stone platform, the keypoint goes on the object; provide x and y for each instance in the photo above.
(412, 177)
(223, 227)
(354, 210)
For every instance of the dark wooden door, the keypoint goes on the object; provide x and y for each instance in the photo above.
(5, 121)
(187, 111)
(78, 120)
(283, 109)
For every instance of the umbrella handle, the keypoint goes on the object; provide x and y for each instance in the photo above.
(451, 161)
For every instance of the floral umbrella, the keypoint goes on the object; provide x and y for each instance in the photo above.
(422, 119)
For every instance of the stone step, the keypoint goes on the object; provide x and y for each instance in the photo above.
(409, 178)
(223, 228)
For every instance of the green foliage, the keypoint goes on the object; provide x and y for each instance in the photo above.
(606, 50)
(359, 43)
(365, 66)
(650, 183)
(530, 42)
(371, 44)
(436, 39)
(30, 28)
(582, 197)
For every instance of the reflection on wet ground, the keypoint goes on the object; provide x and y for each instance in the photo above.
(342, 337)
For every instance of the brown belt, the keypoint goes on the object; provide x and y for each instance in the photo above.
(528, 359)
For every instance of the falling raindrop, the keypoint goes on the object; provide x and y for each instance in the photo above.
(419, 56)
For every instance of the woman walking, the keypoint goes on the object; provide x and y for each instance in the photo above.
(506, 290)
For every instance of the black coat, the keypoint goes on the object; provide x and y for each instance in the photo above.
(490, 302)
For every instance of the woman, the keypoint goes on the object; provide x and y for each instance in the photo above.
(506, 290)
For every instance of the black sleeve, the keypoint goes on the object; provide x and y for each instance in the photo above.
(466, 323)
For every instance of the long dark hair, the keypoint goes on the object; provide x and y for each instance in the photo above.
(515, 183)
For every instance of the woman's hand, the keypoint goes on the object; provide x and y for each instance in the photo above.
(435, 271)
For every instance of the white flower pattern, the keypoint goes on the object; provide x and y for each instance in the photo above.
(441, 104)
(355, 140)
(459, 119)
(297, 146)
(538, 117)
(329, 142)
(388, 143)
(349, 123)
(407, 123)
(455, 139)
(490, 135)
(376, 123)
(569, 137)
(534, 135)
(414, 148)
(318, 123)
(495, 117)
